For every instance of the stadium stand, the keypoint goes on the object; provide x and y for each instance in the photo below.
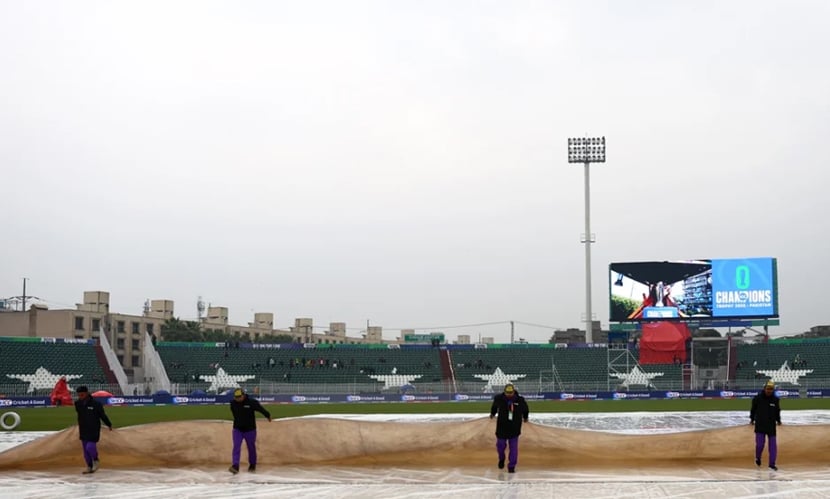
(473, 369)
(575, 367)
(32, 365)
(340, 364)
(805, 355)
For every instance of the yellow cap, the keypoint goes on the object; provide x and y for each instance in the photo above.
(509, 389)
(769, 384)
(238, 392)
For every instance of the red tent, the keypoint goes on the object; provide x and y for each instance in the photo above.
(102, 393)
(663, 342)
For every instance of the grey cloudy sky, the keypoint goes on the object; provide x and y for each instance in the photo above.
(406, 162)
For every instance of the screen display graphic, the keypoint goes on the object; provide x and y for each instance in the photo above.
(693, 289)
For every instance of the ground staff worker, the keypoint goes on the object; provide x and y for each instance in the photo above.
(90, 415)
(512, 410)
(765, 415)
(244, 409)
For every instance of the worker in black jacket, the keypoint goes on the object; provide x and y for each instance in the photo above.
(512, 410)
(244, 409)
(765, 415)
(90, 414)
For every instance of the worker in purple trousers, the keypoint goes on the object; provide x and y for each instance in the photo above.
(90, 415)
(765, 415)
(512, 410)
(244, 409)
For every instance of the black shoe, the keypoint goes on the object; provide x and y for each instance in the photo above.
(758, 463)
(252, 468)
(501, 464)
(95, 465)
(511, 470)
(773, 467)
(234, 469)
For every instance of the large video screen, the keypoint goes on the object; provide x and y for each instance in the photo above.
(694, 289)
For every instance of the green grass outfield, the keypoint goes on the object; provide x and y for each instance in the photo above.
(58, 418)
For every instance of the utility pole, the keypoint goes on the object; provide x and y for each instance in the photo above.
(511, 331)
(24, 293)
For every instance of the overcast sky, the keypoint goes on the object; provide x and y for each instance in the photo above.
(406, 162)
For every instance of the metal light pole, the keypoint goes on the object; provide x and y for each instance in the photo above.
(24, 292)
(587, 150)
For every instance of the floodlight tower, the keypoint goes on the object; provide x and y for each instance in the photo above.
(587, 150)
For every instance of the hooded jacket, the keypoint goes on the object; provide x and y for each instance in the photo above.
(90, 414)
(508, 426)
(765, 412)
(244, 413)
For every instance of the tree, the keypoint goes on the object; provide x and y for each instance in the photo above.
(706, 333)
(176, 329)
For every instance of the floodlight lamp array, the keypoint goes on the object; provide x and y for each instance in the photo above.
(586, 150)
